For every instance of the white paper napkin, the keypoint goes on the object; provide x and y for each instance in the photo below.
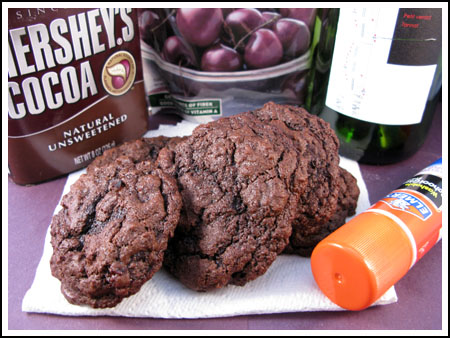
(288, 285)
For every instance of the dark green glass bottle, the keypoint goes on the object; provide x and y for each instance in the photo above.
(387, 126)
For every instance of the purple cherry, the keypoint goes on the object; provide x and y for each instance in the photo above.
(272, 17)
(199, 26)
(307, 15)
(147, 21)
(241, 22)
(177, 52)
(264, 49)
(220, 58)
(294, 36)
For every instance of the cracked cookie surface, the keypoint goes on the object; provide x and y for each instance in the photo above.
(240, 181)
(110, 236)
(143, 149)
(304, 242)
(318, 147)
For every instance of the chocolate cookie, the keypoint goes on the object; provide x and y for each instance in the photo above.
(139, 150)
(318, 147)
(110, 236)
(240, 181)
(303, 242)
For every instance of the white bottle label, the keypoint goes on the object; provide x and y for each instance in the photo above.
(380, 72)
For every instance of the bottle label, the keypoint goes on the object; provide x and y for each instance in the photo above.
(384, 63)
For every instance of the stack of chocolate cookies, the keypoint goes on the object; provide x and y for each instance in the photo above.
(215, 208)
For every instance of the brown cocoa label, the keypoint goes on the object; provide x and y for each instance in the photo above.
(75, 88)
(76, 142)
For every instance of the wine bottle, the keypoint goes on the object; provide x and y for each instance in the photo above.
(376, 79)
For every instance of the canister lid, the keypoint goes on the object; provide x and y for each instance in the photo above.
(359, 262)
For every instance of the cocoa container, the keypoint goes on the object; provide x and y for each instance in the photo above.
(75, 88)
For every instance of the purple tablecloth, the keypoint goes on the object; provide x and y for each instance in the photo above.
(419, 293)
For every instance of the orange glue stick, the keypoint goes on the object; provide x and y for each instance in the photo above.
(360, 261)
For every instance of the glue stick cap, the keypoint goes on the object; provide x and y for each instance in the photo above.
(359, 262)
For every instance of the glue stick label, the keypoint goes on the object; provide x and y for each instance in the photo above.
(415, 206)
(405, 202)
(428, 183)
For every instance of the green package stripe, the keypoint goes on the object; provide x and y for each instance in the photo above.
(188, 107)
(160, 100)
